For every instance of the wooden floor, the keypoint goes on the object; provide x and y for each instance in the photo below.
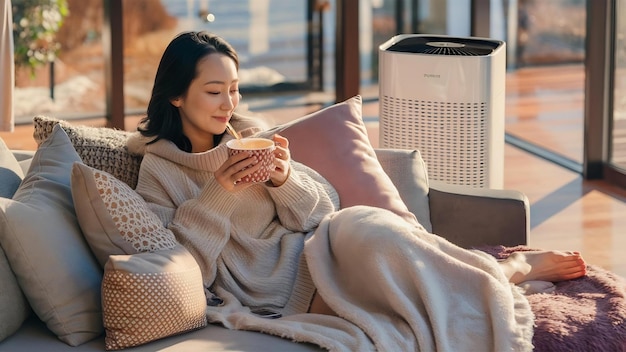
(544, 105)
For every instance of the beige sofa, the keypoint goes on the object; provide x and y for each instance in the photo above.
(466, 216)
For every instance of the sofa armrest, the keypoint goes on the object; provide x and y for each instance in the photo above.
(472, 217)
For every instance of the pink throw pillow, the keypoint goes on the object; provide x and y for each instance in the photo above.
(334, 142)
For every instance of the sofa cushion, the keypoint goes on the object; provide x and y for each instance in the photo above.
(43, 242)
(151, 295)
(113, 217)
(334, 142)
(10, 172)
(34, 336)
(13, 306)
(102, 148)
(407, 170)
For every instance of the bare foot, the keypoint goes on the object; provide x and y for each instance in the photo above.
(544, 266)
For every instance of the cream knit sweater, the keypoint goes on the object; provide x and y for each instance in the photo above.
(247, 242)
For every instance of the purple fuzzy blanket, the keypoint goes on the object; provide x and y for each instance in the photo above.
(585, 314)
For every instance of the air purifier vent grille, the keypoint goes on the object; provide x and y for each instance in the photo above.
(457, 51)
(444, 46)
(445, 133)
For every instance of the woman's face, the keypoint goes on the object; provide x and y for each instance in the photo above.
(210, 100)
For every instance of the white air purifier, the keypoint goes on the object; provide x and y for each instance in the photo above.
(445, 97)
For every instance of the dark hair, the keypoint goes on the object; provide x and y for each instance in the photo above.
(176, 71)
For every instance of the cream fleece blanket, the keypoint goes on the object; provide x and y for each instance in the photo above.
(415, 292)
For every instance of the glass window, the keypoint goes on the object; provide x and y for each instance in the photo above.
(550, 31)
(545, 92)
(72, 83)
(618, 140)
(271, 36)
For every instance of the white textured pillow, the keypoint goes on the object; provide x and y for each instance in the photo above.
(114, 218)
(45, 247)
(152, 295)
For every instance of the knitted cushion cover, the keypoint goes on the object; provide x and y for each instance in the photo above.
(102, 148)
(113, 217)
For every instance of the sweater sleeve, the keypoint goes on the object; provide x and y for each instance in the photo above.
(153, 192)
(304, 199)
(208, 214)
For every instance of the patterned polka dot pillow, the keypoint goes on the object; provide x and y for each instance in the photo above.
(113, 217)
(152, 295)
(152, 286)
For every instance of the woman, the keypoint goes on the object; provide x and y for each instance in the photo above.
(255, 242)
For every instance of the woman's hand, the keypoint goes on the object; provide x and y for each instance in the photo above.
(281, 161)
(234, 168)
